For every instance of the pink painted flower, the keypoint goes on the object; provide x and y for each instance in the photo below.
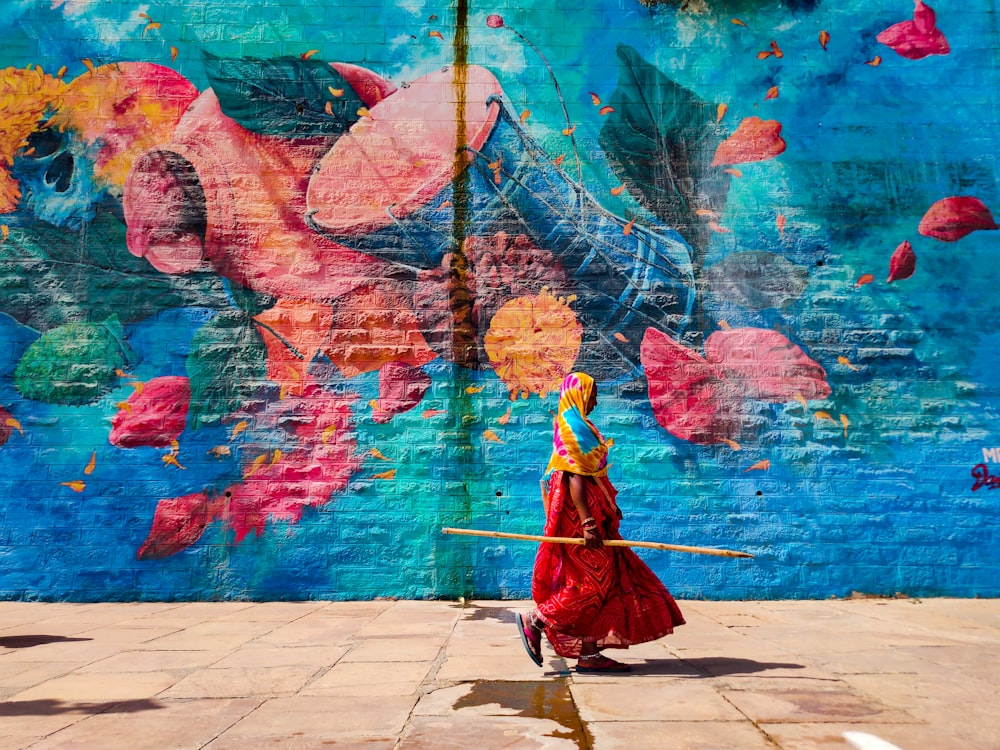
(494, 21)
(154, 415)
(918, 38)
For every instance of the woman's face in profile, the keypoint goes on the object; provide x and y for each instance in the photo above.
(592, 399)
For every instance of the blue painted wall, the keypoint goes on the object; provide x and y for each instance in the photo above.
(212, 387)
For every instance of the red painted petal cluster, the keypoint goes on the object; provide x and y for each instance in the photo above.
(903, 263)
(154, 415)
(690, 398)
(764, 365)
(918, 38)
(754, 140)
(951, 219)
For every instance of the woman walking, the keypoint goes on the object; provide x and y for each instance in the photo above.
(589, 597)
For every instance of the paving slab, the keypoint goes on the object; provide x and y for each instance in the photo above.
(406, 675)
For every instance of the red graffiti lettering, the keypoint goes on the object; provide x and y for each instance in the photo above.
(981, 473)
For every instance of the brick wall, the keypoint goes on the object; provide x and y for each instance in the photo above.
(286, 289)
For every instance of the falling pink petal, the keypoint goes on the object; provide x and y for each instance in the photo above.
(951, 219)
(401, 387)
(690, 399)
(754, 140)
(766, 365)
(177, 524)
(918, 38)
(154, 415)
(903, 263)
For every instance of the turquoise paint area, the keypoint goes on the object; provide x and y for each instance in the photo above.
(879, 506)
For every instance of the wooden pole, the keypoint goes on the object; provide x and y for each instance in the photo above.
(607, 542)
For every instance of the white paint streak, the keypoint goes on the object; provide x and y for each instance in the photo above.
(864, 741)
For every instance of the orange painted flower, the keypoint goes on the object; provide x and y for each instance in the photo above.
(533, 342)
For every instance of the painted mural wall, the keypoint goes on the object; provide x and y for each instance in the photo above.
(286, 287)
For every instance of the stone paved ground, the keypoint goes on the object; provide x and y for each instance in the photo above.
(917, 674)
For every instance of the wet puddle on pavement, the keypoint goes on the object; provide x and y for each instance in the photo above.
(537, 700)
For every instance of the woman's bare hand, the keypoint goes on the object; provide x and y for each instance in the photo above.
(592, 539)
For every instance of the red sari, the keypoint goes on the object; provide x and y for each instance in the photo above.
(607, 596)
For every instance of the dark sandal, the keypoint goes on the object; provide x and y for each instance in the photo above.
(531, 639)
(600, 664)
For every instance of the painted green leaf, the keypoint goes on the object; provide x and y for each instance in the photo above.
(756, 280)
(660, 140)
(247, 300)
(52, 277)
(73, 364)
(226, 366)
(286, 96)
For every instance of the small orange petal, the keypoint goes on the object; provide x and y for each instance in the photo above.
(363, 112)
(772, 93)
(559, 159)
(764, 55)
(525, 115)
(569, 131)
(716, 227)
(776, 49)
(328, 108)
(627, 229)
(428, 413)
(335, 92)
(621, 337)
(76, 485)
(618, 190)
(824, 39)
(328, 433)
(846, 363)
(720, 112)
(310, 53)
(88, 64)
(875, 61)
(491, 436)
(724, 325)
(595, 99)
(823, 415)
(62, 71)
(391, 474)
(475, 389)
(738, 22)
(780, 222)
(505, 418)
(606, 110)
(376, 453)
(436, 34)
(733, 172)
(705, 212)
(240, 426)
(760, 465)
(732, 444)
(11, 422)
(865, 278)
(91, 465)
(173, 53)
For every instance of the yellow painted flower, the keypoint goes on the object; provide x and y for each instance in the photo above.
(533, 342)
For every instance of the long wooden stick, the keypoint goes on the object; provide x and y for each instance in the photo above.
(607, 542)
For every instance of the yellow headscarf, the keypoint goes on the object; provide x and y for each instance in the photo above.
(577, 445)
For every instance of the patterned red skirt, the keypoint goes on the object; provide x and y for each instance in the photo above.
(608, 595)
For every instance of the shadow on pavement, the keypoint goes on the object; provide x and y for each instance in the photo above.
(27, 641)
(709, 667)
(51, 707)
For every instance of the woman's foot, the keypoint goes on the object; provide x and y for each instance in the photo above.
(599, 663)
(531, 637)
